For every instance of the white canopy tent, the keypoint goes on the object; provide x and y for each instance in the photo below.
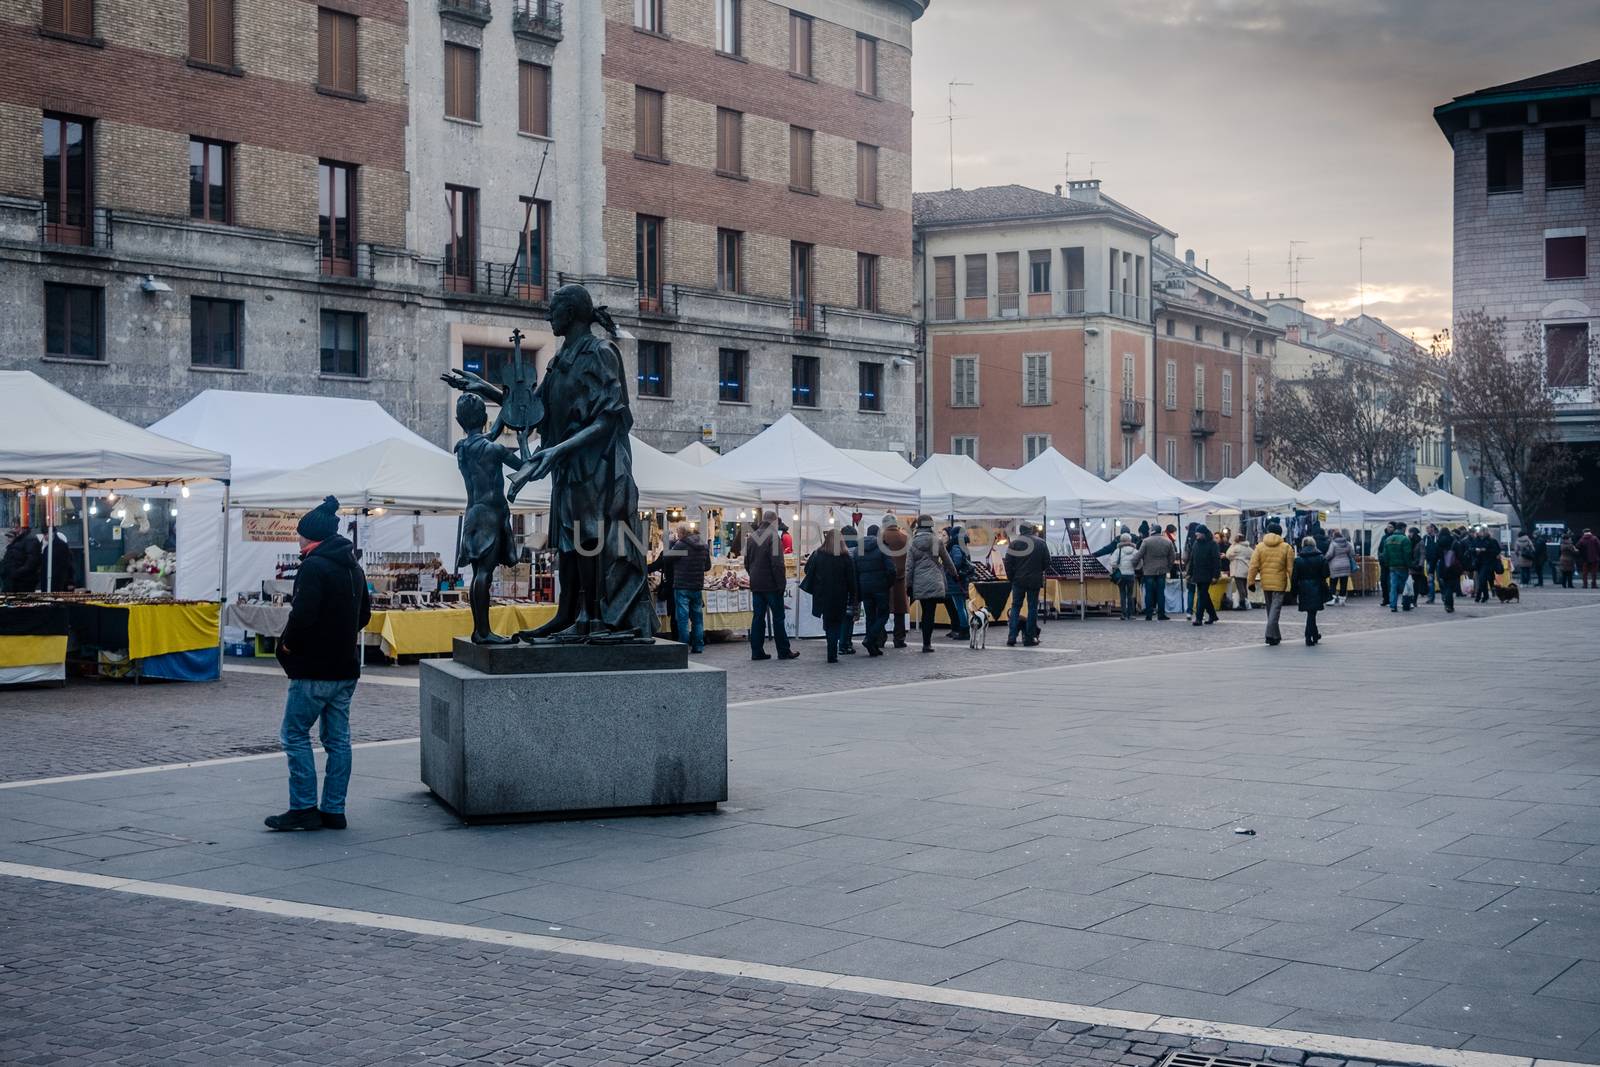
(889, 464)
(1145, 478)
(696, 454)
(788, 463)
(1355, 506)
(664, 481)
(1401, 493)
(1256, 489)
(957, 486)
(1069, 491)
(1440, 502)
(392, 473)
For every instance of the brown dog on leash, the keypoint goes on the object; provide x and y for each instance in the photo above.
(1508, 593)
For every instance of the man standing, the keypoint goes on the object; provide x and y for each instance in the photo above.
(1589, 558)
(763, 562)
(1026, 558)
(320, 654)
(875, 574)
(1154, 559)
(1395, 554)
(1272, 564)
(1430, 559)
(691, 560)
(22, 564)
(893, 541)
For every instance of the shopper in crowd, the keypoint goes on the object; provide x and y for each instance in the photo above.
(1310, 580)
(875, 576)
(22, 566)
(893, 540)
(787, 538)
(1383, 566)
(830, 579)
(321, 654)
(1155, 558)
(1567, 560)
(1271, 564)
(689, 585)
(1419, 566)
(1447, 575)
(1589, 558)
(1541, 557)
(1487, 564)
(1341, 557)
(1522, 551)
(1122, 572)
(1317, 534)
(1395, 554)
(1027, 556)
(1430, 559)
(955, 591)
(1189, 535)
(1238, 560)
(763, 562)
(1204, 567)
(663, 565)
(927, 566)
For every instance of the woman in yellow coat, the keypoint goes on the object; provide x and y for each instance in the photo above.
(1271, 564)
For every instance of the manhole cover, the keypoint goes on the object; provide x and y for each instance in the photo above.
(1194, 1059)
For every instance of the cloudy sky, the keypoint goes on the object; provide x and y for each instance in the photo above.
(1242, 124)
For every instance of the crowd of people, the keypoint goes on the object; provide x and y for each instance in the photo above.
(25, 569)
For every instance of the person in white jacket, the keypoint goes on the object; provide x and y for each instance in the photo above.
(1238, 557)
(1121, 564)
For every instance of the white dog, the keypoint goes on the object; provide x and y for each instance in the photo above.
(977, 626)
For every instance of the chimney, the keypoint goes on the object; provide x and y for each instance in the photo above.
(1294, 334)
(1085, 190)
(1188, 256)
(1058, 190)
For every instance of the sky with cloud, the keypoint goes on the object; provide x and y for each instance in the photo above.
(1241, 124)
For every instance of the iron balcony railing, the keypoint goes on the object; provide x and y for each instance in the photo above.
(1132, 414)
(1127, 305)
(345, 260)
(808, 317)
(475, 10)
(661, 301)
(541, 18)
(90, 229)
(1203, 423)
(506, 281)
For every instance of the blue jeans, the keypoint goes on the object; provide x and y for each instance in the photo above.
(310, 700)
(689, 609)
(957, 606)
(836, 631)
(760, 605)
(1018, 594)
(1155, 595)
(1397, 585)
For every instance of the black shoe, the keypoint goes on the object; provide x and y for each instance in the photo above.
(296, 819)
(1011, 642)
(790, 655)
(849, 650)
(1309, 641)
(874, 651)
(832, 658)
(927, 648)
(1273, 640)
(1195, 623)
(1030, 644)
(1163, 618)
(899, 644)
(332, 820)
(762, 656)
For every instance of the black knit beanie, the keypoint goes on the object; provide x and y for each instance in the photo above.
(321, 522)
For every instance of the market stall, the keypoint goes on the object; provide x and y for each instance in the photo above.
(33, 642)
(889, 464)
(1256, 489)
(696, 454)
(1440, 502)
(1402, 495)
(1145, 478)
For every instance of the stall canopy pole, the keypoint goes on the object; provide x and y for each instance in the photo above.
(222, 586)
(83, 512)
(1083, 564)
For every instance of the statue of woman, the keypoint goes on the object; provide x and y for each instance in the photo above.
(584, 448)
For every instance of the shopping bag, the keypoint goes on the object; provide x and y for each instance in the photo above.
(1410, 590)
(1467, 586)
(1258, 596)
(1174, 598)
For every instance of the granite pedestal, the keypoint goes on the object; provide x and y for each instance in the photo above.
(528, 732)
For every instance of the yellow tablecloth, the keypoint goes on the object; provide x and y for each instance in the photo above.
(32, 650)
(433, 631)
(157, 629)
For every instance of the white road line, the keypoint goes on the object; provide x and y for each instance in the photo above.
(1352, 1047)
(157, 768)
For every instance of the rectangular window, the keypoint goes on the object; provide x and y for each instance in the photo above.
(488, 362)
(1199, 332)
(647, 260)
(805, 390)
(1258, 346)
(1172, 327)
(1227, 460)
(209, 184)
(68, 208)
(1199, 460)
(73, 17)
(336, 51)
(1033, 445)
(1170, 398)
(866, 65)
(344, 344)
(72, 321)
(964, 445)
(870, 394)
(649, 111)
(461, 82)
(963, 381)
(1036, 378)
(533, 99)
(1127, 376)
(336, 208)
(1227, 339)
(1072, 265)
(1199, 387)
(733, 373)
(799, 44)
(867, 174)
(1008, 280)
(214, 332)
(649, 15)
(801, 258)
(655, 369)
(533, 250)
(1227, 392)
(800, 176)
(1128, 454)
(1504, 165)
(730, 260)
(729, 29)
(1172, 456)
(1566, 354)
(1564, 257)
(1563, 157)
(866, 282)
(944, 288)
(210, 31)
(730, 141)
(461, 244)
(1039, 271)
(977, 277)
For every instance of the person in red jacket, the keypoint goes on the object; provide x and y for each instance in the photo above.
(1589, 558)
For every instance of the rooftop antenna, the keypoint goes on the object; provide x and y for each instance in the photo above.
(1299, 259)
(1289, 266)
(1067, 169)
(1247, 269)
(1093, 163)
(1361, 270)
(950, 118)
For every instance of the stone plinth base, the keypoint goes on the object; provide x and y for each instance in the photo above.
(574, 745)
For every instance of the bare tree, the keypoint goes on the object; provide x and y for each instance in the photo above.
(1502, 405)
(1355, 417)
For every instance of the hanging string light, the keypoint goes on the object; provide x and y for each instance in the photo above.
(184, 489)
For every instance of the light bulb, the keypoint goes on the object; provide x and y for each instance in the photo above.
(184, 490)
(111, 498)
(794, 516)
(1052, 522)
(147, 505)
(120, 513)
(173, 510)
(94, 509)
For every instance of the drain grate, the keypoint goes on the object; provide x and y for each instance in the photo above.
(1194, 1059)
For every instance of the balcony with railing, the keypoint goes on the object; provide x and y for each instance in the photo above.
(660, 301)
(1132, 414)
(539, 19)
(1127, 305)
(477, 12)
(1203, 423)
(76, 229)
(807, 317)
(345, 259)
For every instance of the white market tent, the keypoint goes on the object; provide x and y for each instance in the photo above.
(664, 481)
(1356, 506)
(1440, 511)
(1069, 491)
(1145, 478)
(957, 486)
(1439, 502)
(1255, 489)
(889, 464)
(393, 473)
(696, 454)
(788, 463)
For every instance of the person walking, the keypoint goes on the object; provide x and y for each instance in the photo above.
(1447, 576)
(1122, 573)
(1589, 558)
(1204, 567)
(1310, 581)
(830, 579)
(1541, 557)
(320, 652)
(955, 592)
(1419, 567)
(875, 576)
(1523, 551)
(1027, 556)
(1272, 564)
(1238, 557)
(693, 559)
(1567, 560)
(927, 565)
(763, 562)
(893, 541)
(1430, 559)
(1341, 557)
(850, 542)
(1395, 554)
(1487, 564)
(1154, 559)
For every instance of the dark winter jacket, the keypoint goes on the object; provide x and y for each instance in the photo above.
(1589, 548)
(691, 560)
(763, 559)
(23, 564)
(831, 581)
(1027, 556)
(1205, 560)
(875, 571)
(331, 607)
(1310, 579)
(956, 544)
(1395, 552)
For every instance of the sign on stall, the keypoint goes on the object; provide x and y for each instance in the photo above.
(270, 526)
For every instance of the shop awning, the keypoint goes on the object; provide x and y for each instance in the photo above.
(889, 464)
(392, 473)
(1439, 503)
(696, 454)
(664, 481)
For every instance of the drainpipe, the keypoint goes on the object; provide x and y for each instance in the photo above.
(1151, 407)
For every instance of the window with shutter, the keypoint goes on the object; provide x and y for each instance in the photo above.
(866, 282)
(944, 287)
(1034, 445)
(1172, 456)
(977, 277)
(336, 51)
(730, 141)
(799, 44)
(1127, 376)
(1039, 271)
(461, 82)
(211, 32)
(1227, 392)
(867, 174)
(533, 98)
(866, 65)
(800, 173)
(1036, 378)
(1199, 388)
(1170, 401)
(1007, 273)
(964, 445)
(648, 114)
(963, 381)
(74, 17)
(1227, 460)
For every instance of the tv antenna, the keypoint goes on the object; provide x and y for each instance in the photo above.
(1289, 266)
(1361, 270)
(950, 119)
(1093, 163)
